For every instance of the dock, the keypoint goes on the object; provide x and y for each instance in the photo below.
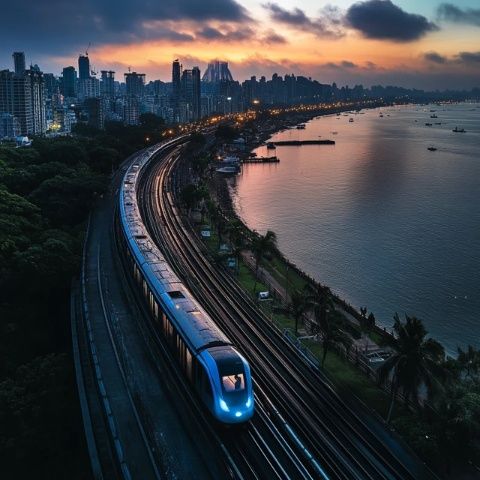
(273, 159)
(296, 143)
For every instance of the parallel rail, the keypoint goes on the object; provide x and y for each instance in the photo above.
(341, 443)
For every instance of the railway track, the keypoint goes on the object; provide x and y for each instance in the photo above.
(298, 400)
(261, 451)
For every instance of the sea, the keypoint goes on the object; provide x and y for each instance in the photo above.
(382, 220)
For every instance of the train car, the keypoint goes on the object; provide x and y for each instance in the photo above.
(217, 371)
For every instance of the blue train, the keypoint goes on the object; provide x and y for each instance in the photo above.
(219, 374)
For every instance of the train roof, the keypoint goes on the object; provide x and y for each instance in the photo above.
(198, 329)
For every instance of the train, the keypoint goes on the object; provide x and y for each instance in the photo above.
(212, 365)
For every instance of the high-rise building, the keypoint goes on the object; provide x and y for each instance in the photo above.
(83, 67)
(36, 89)
(96, 114)
(217, 72)
(88, 88)
(135, 87)
(196, 94)
(69, 82)
(51, 84)
(176, 88)
(9, 126)
(19, 62)
(135, 83)
(108, 84)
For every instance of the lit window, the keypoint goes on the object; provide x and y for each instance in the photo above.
(233, 383)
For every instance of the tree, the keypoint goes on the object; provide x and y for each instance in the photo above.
(261, 245)
(151, 121)
(226, 133)
(237, 239)
(416, 360)
(329, 322)
(469, 361)
(296, 308)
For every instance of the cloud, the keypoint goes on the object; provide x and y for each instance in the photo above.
(472, 58)
(273, 38)
(451, 13)
(383, 20)
(298, 19)
(227, 34)
(435, 57)
(469, 59)
(61, 25)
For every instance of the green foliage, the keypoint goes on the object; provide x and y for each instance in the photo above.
(226, 133)
(37, 404)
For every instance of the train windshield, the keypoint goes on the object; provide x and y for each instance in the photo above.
(232, 376)
(233, 383)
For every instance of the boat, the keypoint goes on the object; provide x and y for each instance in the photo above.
(350, 119)
(301, 126)
(459, 130)
(381, 115)
(432, 149)
(334, 133)
(270, 146)
(438, 123)
(433, 116)
(428, 124)
(228, 170)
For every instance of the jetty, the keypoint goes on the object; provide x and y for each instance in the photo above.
(296, 143)
(273, 159)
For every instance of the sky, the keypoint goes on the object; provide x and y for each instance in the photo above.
(424, 44)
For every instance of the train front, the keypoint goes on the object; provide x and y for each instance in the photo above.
(233, 402)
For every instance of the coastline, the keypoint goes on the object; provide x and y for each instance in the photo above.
(225, 200)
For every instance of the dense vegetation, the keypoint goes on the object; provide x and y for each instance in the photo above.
(46, 192)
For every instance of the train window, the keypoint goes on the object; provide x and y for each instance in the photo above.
(176, 294)
(233, 383)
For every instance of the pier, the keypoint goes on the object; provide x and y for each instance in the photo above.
(296, 143)
(273, 159)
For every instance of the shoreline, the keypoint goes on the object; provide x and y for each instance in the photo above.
(224, 197)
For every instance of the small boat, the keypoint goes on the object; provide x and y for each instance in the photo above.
(381, 115)
(270, 146)
(428, 124)
(432, 149)
(459, 130)
(228, 170)
(438, 123)
(334, 133)
(350, 119)
(301, 126)
(433, 116)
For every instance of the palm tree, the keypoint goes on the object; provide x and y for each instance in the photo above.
(469, 361)
(296, 308)
(328, 320)
(260, 246)
(416, 360)
(237, 239)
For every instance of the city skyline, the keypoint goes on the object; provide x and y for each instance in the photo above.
(429, 45)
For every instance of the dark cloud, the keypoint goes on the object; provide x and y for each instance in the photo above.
(298, 19)
(468, 59)
(344, 64)
(227, 35)
(435, 57)
(273, 38)
(451, 13)
(472, 58)
(381, 19)
(62, 25)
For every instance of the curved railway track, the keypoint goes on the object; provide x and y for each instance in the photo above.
(299, 401)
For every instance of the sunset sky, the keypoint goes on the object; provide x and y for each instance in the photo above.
(426, 44)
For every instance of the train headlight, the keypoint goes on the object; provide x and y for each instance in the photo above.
(249, 402)
(223, 405)
(238, 414)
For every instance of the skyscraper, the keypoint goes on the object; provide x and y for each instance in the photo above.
(108, 84)
(19, 62)
(83, 67)
(69, 82)
(135, 86)
(176, 88)
(217, 72)
(196, 94)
